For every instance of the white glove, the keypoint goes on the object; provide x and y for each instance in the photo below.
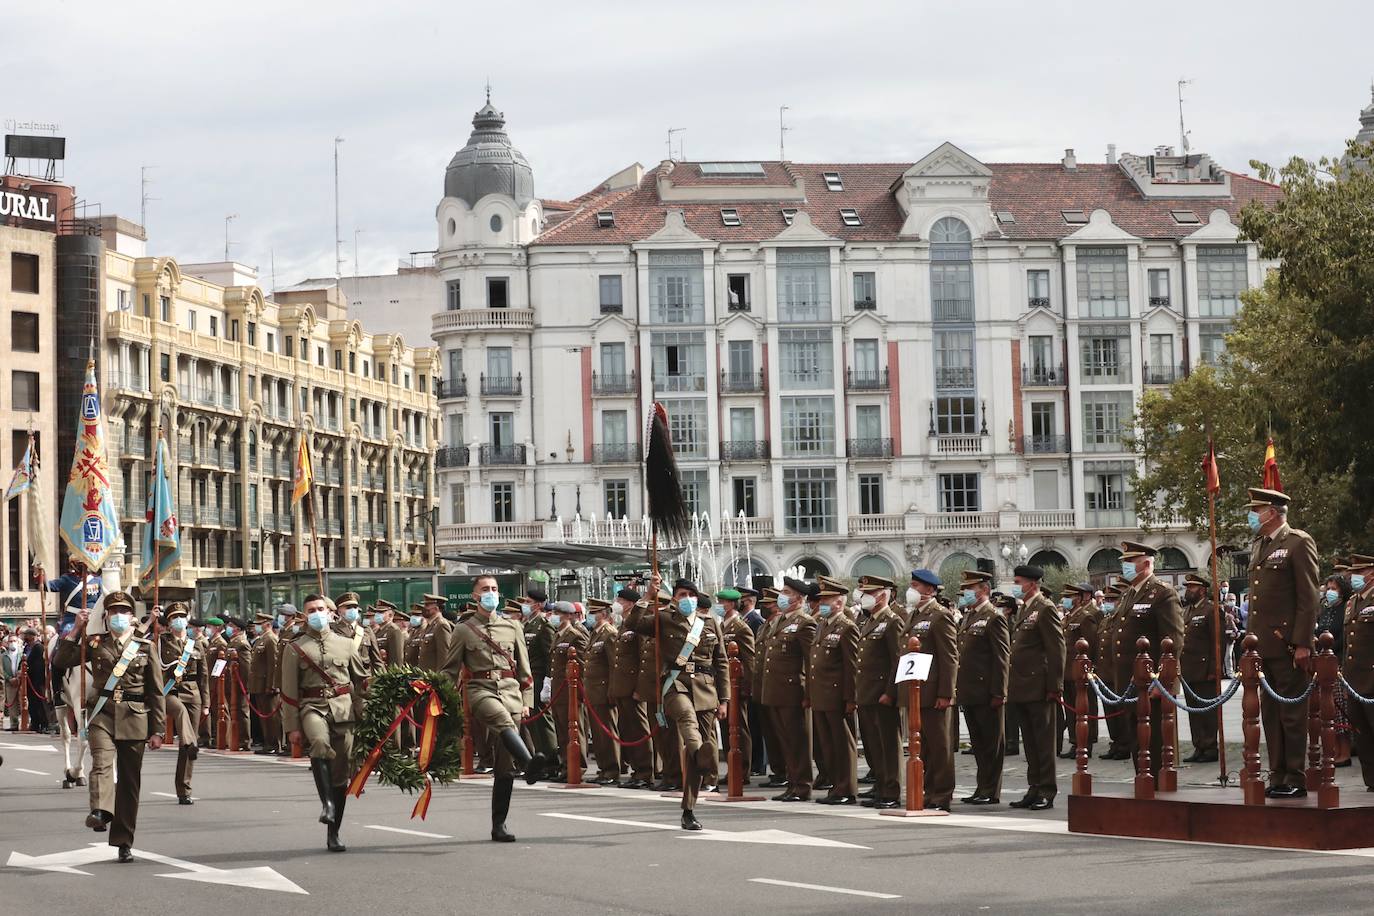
(546, 692)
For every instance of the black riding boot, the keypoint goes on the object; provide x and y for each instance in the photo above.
(534, 765)
(500, 807)
(319, 768)
(339, 796)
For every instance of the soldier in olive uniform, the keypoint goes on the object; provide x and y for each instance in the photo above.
(322, 679)
(1119, 745)
(830, 694)
(435, 633)
(981, 686)
(1037, 676)
(1082, 620)
(539, 635)
(414, 630)
(777, 767)
(490, 647)
(596, 680)
(786, 660)
(696, 684)
(934, 625)
(1198, 664)
(216, 648)
(570, 634)
(260, 687)
(1284, 597)
(391, 637)
(236, 633)
(665, 746)
(875, 692)
(121, 718)
(1151, 609)
(632, 712)
(190, 678)
(739, 634)
(1358, 663)
(350, 627)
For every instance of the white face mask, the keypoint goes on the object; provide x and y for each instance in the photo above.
(912, 596)
(867, 601)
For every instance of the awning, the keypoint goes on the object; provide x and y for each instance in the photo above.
(557, 555)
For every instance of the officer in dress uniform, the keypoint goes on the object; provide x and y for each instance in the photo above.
(830, 684)
(131, 714)
(349, 625)
(1150, 609)
(260, 688)
(632, 715)
(570, 634)
(434, 635)
(880, 645)
(391, 637)
(216, 648)
(291, 624)
(696, 684)
(1082, 620)
(1037, 677)
(414, 632)
(1358, 663)
(934, 625)
(1119, 745)
(1198, 664)
(1284, 598)
(981, 686)
(539, 635)
(236, 634)
(665, 746)
(596, 679)
(775, 765)
(322, 681)
(786, 660)
(185, 666)
(739, 634)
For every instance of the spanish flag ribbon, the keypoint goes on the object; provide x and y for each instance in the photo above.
(422, 690)
(429, 733)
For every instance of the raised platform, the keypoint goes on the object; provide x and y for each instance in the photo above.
(1217, 815)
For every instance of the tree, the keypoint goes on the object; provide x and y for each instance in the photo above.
(1056, 577)
(1299, 366)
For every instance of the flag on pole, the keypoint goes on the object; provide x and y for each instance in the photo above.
(89, 523)
(27, 481)
(1271, 468)
(24, 473)
(1209, 469)
(305, 475)
(162, 537)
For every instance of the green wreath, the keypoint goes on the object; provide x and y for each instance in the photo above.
(389, 693)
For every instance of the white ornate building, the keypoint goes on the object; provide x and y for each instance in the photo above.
(868, 367)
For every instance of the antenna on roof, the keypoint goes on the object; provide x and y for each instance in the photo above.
(782, 135)
(488, 90)
(1182, 133)
(671, 131)
(144, 197)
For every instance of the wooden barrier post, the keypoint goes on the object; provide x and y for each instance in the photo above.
(1328, 666)
(24, 697)
(235, 700)
(1312, 776)
(1144, 779)
(1168, 676)
(222, 716)
(1082, 779)
(573, 751)
(915, 769)
(734, 760)
(468, 745)
(1251, 785)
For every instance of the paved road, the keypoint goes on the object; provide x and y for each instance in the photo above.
(613, 851)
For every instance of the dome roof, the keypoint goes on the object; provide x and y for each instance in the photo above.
(488, 164)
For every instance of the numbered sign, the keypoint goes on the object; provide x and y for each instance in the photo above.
(914, 666)
(219, 668)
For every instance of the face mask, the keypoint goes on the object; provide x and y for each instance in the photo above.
(966, 598)
(1253, 520)
(351, 614)
(1016, 590)
(526, 610)
(1127, 569)
(178, 624)
(367, 621)
(556, 620)
(1066, 603)
(1331, 596)
(118, 623)
(490, 600)
(281, 620)
(589, 624)
(912, 596)
(415, 620)
(1108, 607)
(867, 602)
(1357, 582)
(257, 628)
(784, 602)
(687, 606)
(718, 611)
(825, 610)
(228, 632)
(318, 620)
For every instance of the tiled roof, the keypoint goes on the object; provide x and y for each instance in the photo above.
(1034, 193)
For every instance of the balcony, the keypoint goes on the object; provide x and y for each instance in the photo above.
(692, 384)
(1163, 375)
(415, 488)
(752, 528)
(615, 453)
(451, 387)
(501, 386)
(1048, 520)
(865, 525)
(135, 447)
(866, 380)
(1043, 376)
(800, 312)
(741, 382)
(450, 456)
(502, 454)
(960, 521)
(756, 450)
(951, 310)
(1045, 444)
(959, 446)
(953, 377)
(494, 534)
(484, 320)
(1038, 302)
(126, 381)
(610, 384)
(1159, 302)
(868, 448)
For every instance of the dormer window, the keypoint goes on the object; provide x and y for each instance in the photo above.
(1074, 217)
(850, 216)
(1005, 216)
(729, 217)
(605, 219)
(833, 182)
(1185, 217)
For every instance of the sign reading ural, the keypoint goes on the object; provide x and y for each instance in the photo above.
(32, 209)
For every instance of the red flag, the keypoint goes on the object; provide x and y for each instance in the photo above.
(1271, 468)
(1209, 469)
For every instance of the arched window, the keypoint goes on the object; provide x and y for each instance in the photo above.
(742, 571)
(1172, 558)
(1047, 558)
(1106, 560)
(953, 568)
(951, 271)
(813, 567)
(874, 565)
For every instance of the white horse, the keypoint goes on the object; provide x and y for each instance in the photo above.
(75, 752)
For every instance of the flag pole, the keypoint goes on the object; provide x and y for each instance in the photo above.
(314, 536)
(1216, 605)
(35, 461)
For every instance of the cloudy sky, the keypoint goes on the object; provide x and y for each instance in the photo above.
(236, 105)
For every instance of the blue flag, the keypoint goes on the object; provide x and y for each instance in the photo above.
(90, 525)
(162, 537)
(24, 473)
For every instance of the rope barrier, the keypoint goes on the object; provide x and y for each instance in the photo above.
(1211, 706)
(548, 707)
(653, 728)
(1279, 698)
(238, 676)
(1102, 718)
(1105, 694)
(1368, 701)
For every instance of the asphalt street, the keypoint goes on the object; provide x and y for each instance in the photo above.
(251, 843)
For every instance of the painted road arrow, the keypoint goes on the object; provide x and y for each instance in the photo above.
(258, 877)
(770, 837)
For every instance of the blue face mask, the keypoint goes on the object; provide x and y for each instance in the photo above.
(556, 620)
(1016, 590)
(490, 601)
(1357, 582)
(526, 610)
(1108, 607)
(415, 620)
(178, 624)
(281, 620)
(687, 606)
(257, 628)
(119, 623)
(351, 614)
(1331, 596)
(967, 597)
(228, 632)
(825, 610)
(367, 621)
(1253, 520)
(1127, 569)
(318, 620)
(784, 602)
(1066, 603)
(718, 611)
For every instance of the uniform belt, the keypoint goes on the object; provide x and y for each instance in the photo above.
(325, 693)
(491, 675)
(689, 667)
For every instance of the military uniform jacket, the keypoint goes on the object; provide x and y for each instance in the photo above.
(433, 644)
(369, 652)
(283, 640)
(240, 645)
(738, 633)
(391, 639)
(1105, 660)
(1083, 622)
(787, 656)
(539, 635)
(1037, 652)
(1283, 592)
(412, 645)
(705, 677)
(264, 662)
(984, 656)
(467, 649)
(624, 681)
(875, 665)
(1150, 609)
(137, 710)
(195, 680)
(761, 652)
(1198, 662)
(933, 624)
(596, 670)
(1358, 665)
(647, 683)
(830, 681)
(333, 655)
(569, 636)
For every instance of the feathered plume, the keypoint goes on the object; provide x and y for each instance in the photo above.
(662, 483)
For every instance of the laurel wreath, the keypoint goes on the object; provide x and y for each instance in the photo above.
(388, 693)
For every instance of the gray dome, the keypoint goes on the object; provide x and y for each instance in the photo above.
(489, 164)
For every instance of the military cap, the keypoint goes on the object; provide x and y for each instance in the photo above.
(729, 594)
(1131, 550)
(1027, 571)
(175, 609)
(1260, 498)
(598, 604)
(975, 577)
(119, 599)
(209, 621)
(417, 606)
(535, 593)
(437, 599)
(687, 584)
(799, 586)
(1007, 602)
(264, 617)
(769, 595)
(629, 594)
(926, 576)
(348, 599)
(746, 592)
(383, 605)
(1341, 565)
(1357, 561)
(1112, 591)
(828, 587)
(703, 602)
(288, 610)
(513, 604)
(830, 582)
(1195, 579)
(873, 583)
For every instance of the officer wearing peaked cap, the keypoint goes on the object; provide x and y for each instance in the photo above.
(935, 626)
(1358, 663)
(830, 691)
(739, 634)
(1082, 620)
(786, 667)
(1037, 677)
(1198, 663)
(260, 687)
(981, 686)
(191, 687)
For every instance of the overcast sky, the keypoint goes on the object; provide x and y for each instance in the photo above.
(237, 104)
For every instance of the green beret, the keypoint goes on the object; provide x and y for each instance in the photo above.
(728, 594)
(213, 622)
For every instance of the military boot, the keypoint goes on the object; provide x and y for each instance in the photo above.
(500, 806)
(533, 765)
(339, 796)
(319, 768)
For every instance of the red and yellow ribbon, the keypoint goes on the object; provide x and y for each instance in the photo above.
(435, 707)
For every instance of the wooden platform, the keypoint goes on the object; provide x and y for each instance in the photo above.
(1217, 815)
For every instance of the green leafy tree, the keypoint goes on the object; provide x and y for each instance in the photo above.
(1056, 577)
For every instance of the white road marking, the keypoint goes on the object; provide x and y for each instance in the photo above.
(432, 836)
(256, 877)
(607, 820)
(43, 748)
(31, 772)
(170, 795)
(823, 887)
(771, 837)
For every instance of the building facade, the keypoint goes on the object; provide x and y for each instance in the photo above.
(868, 367)
(232, 378)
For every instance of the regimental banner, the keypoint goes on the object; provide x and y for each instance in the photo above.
(162, 537)
(305, 472)
(90, 525)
